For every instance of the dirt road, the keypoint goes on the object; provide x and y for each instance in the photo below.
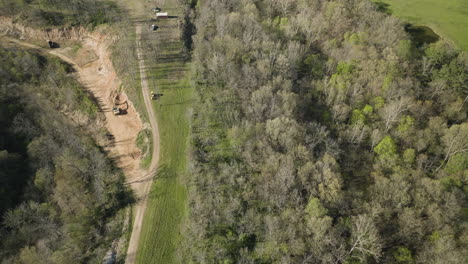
(144, 187)
(124, 128)
(102, 82)
(99, 78)
(43, 50)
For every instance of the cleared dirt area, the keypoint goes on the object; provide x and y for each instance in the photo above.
(99, 78)
(90, 58)
(80, 55)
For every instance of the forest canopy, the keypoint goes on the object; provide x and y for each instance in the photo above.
(322, 134)
(49, 13)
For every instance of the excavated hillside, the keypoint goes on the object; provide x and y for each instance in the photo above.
(89, 54)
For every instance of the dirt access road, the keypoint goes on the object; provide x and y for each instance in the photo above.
(145, 186)
(124, 128)
(99, 78)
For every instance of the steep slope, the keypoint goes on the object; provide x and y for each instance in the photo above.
(100, 79)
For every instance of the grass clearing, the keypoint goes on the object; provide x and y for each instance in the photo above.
(166, 204)
(167, 71)
(448, 18)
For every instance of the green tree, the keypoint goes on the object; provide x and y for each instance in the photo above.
(403, 255)
(386, 148)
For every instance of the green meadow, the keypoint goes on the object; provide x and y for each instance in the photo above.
(448, 18)
(167, 71)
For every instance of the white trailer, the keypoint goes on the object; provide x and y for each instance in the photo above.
(161, 15)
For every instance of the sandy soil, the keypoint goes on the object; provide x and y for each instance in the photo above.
(100, 79)
(96, 74)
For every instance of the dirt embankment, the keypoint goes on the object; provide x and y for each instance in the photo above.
(98, 76)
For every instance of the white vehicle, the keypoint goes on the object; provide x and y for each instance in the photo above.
(161, 15)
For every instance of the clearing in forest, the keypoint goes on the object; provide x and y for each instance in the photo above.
(166, 70)
(448, 18)
(98, 77)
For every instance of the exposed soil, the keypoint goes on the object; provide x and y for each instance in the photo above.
(97, 75)
(82, 56)
(95, 71)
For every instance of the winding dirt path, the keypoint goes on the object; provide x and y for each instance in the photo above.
(100, 81)
(124, 151)
(99, 78)
(143, 187)
(43, 50)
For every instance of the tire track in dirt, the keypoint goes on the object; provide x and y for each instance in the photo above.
(44, 51)
(140, 184)
(125, 153)
(99, 78)
(143, 188)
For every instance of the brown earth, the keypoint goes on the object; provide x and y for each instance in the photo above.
(81, 56)
(97, 75)
(95, 71)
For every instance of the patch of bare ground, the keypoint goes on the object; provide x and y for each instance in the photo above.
(94, 70)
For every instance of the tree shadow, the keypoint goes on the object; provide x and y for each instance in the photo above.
(163, 172)
(180, 103)
(383, 7)
(421, 35)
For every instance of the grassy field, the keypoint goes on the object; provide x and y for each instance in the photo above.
(167, 72)
(448, 18)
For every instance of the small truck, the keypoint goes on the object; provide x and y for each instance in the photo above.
(116, 110)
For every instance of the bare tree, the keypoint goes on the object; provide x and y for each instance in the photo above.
(392, 111)
(365, 240)
(455, 141)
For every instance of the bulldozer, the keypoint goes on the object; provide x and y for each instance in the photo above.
(52, 45)
(155, 96)
(115, 110)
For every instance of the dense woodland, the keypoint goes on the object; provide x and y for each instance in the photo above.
(323, 134)
(61, 198)
(47, 13)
